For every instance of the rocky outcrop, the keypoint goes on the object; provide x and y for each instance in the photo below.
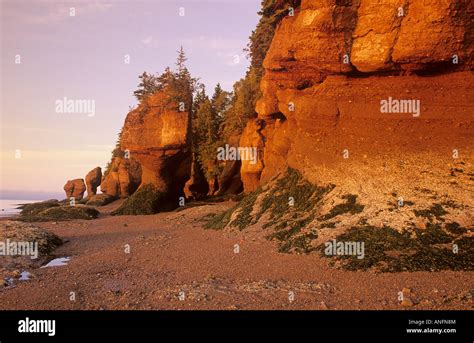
(196, 187)
(122, 177)
(157, 135)
(99, 200)
(412, 35)
(229, 179)
(329, 67)
(93, 180)
(373, 97)
(60, 213)
(75, 188)
(252, 138)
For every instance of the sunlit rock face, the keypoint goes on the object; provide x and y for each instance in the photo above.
(372, 96)
(93, 180)
(123, 177)
(331, 64)
(157, 135)
(75, 189)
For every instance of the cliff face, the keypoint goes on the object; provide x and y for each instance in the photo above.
(329, 70)
(156, 135)
(311, 95)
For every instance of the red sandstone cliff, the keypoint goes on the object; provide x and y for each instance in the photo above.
(315, 105)
(157, 135)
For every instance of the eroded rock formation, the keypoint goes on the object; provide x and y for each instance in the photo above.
(122, 177)
(75, 188)
(315, 105)
(93, 180)
(328, 71)
(157, 135)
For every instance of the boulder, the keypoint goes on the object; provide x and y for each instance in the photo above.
(121, 178)
(251, 171)
(60, 213)
(75, 188)
(93, 180)
(99, 200)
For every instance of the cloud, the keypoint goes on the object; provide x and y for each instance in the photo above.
(147, 40)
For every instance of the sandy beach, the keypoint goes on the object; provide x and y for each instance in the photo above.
(174, 263)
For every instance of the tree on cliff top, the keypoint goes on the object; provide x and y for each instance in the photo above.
(179, 83)
(272, 12)
(148, 85)
(247, 90)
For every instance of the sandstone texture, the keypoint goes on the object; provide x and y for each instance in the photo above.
(122, 178)
(327, 71)
(75, 188)
(157, 135)
(93, 180)
(196, 187)
(314, 105)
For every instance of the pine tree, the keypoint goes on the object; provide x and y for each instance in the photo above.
(148, 85)
(180, 61)
(220, 101)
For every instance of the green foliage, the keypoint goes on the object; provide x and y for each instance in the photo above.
(179, 83)
(207, 134)
(290, 223)
(388, 250)
(37, 207)
(146, 200)
(350, 206)
(242, 108)
(60, 213)
(246, 91)
(272, 12)
(147, 86)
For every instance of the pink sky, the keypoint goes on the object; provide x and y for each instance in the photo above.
(83, 57)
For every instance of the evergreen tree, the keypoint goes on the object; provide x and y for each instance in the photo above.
(247, 90)
(148, 85)
(220, 101)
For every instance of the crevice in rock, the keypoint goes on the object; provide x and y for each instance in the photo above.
(357, 74)
(305, 84)
(437, 68)
(398, 27)
(278, 115)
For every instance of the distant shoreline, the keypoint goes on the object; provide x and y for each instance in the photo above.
(11, 208)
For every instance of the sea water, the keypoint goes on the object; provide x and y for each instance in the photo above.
(9, 207)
